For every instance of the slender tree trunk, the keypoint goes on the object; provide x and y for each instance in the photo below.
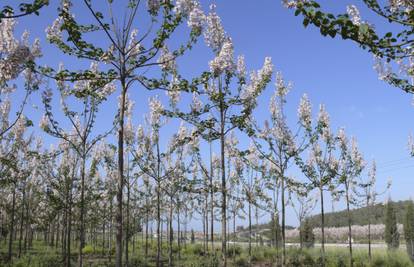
(82, 211)
(27, 226)
(120, 190)
(11, 227)
(21, 221)
(178, 233)
(234, 234)
(110, 230)
(158, 208)
(69, 231)
(250, 232)
(351, 261)
(103, 230)
(206, 221)
(223, 185)
(369, 229)
(257, 224)
(211, 198)
(322, 228)
(127, 230)
(146, 232)
(170, 227)
(282, 180)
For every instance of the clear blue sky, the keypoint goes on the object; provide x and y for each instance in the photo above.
(331, 71)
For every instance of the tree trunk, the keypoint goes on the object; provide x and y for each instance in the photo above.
(322, 228)
(146, 232)
(21, 221)
(351, 262)
(127, 230)
(82, 211)
(119, 195)
(250, 232)
(158, 208)
(178, 233)
(234, 234)
(223, 185)
(11, 227)
(211, 198)
(282, 180)
(369, 230)
(69, 231)
(170, 227)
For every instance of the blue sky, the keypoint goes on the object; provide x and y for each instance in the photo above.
(331, 71)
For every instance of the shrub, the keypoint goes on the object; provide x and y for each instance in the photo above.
(241, 261)
(88, 249)
(196, 249)
(234, 251)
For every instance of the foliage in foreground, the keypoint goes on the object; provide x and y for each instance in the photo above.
(194, 255)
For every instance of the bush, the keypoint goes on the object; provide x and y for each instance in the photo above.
(42, 260)
(196, 249)
(241, 261)
(233, 251)
(297, 257)
(88, 249)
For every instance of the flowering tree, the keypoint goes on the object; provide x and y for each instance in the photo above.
(16, 60)
(82, 120)
(160, 165)
(394, 46)
(350, 167)
(232, 98)
(369, 194)
(126, 53)
(278, 143)
(321, 166)
(302, 207)
(17, 172)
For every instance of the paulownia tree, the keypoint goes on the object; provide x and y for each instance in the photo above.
(127, 53)
(392, 47)
(350, 167)
(278, 144)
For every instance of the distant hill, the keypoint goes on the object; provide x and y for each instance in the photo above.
(333, 219)
(359, 216)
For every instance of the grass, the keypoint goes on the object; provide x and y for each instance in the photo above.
(194, 255)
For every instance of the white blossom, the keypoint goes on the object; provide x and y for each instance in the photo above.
(153, 6)
(384, 70)
(323, 117)
(305, 112)
(156, 109)
(167, 60)
(214, 34)
(174, 92)
(44, 123)
(107, 90)
(54, 31)
(224, 61)
(196, 104)
(282, 88)
(258, 81)
(241, 67)
(134, 47)
(196, 18)
(184, 7)
(354, 15)
(411, 145)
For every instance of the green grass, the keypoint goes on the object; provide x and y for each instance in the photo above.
(194, 255)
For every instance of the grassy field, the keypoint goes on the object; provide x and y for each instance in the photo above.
(194, 255)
